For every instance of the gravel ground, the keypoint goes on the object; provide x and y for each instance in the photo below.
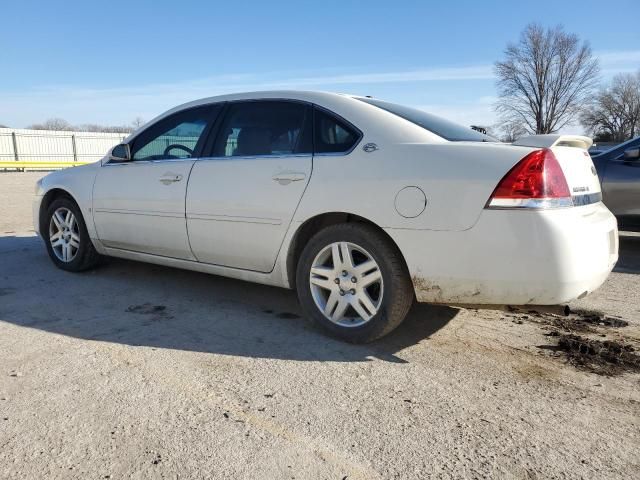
(141, 371)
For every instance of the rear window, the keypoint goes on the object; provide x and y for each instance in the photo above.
(331, 134)
(443, 128)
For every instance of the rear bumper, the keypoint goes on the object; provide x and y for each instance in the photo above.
(514, 257)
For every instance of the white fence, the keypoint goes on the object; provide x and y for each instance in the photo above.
(51, 147)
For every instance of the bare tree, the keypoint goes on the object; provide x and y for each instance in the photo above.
(615, 111)
(52, 124)
(511, 130)
(545, 79)
(137, 122)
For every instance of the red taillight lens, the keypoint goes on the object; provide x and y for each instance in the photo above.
(535, 181)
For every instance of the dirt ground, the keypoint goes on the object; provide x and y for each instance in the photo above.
(140, 371)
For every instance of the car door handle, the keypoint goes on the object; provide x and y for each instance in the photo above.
(169, 178)
(285, 178)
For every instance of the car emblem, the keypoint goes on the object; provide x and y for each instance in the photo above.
(370, 147)
(593, 170)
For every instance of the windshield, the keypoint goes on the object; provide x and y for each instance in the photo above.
(443, 128)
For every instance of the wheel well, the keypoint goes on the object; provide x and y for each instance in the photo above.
(313, 225)
(48, 198)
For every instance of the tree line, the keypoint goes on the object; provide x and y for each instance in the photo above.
(62, 125)
(614, 113)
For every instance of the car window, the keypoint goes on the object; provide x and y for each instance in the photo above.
(616, 152)
(443, 128)
(176, 137)
(263, 128)
(332, 135)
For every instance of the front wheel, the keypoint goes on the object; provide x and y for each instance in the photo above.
(352, 281)
(66, 237)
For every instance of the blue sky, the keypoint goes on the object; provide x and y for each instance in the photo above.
(108, 62)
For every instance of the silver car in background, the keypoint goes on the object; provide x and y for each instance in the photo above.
(619, 172)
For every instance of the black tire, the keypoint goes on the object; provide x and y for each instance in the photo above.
(86, 256)
(398, 290)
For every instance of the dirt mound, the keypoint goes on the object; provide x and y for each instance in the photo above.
(574, 334)
(580, 321)
(603, 357)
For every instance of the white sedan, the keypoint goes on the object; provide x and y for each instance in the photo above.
(361, 205)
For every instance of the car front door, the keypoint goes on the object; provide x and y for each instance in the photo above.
(241, 199)
(139, 205)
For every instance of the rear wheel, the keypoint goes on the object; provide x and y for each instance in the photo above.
(352, 281)
(66, 237)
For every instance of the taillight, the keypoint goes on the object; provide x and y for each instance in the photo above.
(536, 181)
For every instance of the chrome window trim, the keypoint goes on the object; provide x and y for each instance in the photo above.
(336, 154)
(138, 162)
(251, 157)
(171, 160)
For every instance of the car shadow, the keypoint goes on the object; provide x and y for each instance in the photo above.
(629, 253)
(145, 305)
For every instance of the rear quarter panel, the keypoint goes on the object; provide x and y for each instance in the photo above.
(457, 179)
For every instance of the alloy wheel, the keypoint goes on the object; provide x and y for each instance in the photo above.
(346, 284)
(64, 234)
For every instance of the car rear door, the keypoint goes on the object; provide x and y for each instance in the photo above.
(139, 205)
(241, 199)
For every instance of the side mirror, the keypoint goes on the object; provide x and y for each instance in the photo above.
(632, 154)
(120, 153)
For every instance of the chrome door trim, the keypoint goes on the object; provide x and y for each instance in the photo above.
(139, 212)
(233, 218)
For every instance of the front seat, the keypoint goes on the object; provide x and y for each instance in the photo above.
(253, 141)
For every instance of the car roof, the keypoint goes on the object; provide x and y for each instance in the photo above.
(327, 99)
(302, 95)
(382, 123)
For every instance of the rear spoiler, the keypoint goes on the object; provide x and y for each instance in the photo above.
(548, 141)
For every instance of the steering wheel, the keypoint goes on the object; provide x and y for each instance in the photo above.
(179, 147)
